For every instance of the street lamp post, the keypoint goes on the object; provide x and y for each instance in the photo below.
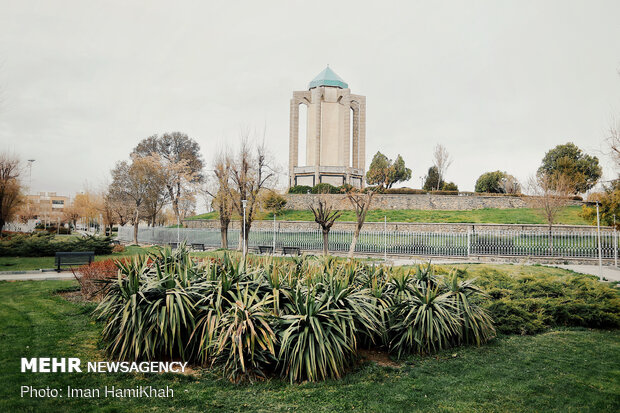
(178, 230)
(30, 162)
(244, 202)
(598, 229)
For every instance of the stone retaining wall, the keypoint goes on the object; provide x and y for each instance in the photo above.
(395, 226)
(419, 201)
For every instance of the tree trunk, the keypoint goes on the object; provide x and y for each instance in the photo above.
(356, 235)
(135, 228)
(325, 240)
(550, 246)
(224, 234)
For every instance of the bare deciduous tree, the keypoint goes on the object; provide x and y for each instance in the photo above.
(180, 160)
(134, 182)
(549, 195)
(614, 141)
(442, 161)
(10, 188)
(220, 194)
(251, 171)
(157, 195)
(71, 214)
(119, 205)
(361, 204)
(325, 214)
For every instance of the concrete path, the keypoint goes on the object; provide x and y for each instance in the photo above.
(36, 275)
(608, 273)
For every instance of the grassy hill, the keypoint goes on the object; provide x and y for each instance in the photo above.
(569, 215)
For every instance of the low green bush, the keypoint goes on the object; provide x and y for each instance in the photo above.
(324, 188)
(529, 304)
(404, 191)
(44, 244)
(299, 189)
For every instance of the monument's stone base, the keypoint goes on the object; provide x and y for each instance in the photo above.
(333, 175)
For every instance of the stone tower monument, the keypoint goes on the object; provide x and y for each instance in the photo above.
(335, 133)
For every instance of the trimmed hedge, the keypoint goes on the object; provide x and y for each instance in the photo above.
(299, 189)
(322, 188)
(45, 245)
(529, 304)
(325, 188)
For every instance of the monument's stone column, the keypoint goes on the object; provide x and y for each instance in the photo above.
(293, 149)
(361, 133)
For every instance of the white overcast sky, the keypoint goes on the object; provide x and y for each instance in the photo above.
(497, 82)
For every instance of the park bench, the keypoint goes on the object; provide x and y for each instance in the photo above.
(291, 250)
(173, 245)
(198, 247)
(115, 242)
(73, 259)
(265, 249)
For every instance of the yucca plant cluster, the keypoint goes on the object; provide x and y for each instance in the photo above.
(303, 319)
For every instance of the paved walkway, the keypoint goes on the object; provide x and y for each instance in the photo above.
(608, 273)
(36, 275)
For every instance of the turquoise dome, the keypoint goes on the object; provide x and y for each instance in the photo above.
(328, 78)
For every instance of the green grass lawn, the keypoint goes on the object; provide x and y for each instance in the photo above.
(569, 215)
(560, 370)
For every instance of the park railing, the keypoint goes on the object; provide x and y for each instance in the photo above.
(558, 244)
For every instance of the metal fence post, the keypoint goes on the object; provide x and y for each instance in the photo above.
(385, 238)
(274, 233)
(598, 230)
(615, 244)
(468, 241)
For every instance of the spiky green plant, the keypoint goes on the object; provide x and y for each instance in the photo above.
(476, 325)
(424, 323)
(317, 341)
(246, 342)
(361, 304)
(148, 310)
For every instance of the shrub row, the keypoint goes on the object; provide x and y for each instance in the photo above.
(302, 319)
(322, 188)
(531, 304)
(44, 244)
(325, 188)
